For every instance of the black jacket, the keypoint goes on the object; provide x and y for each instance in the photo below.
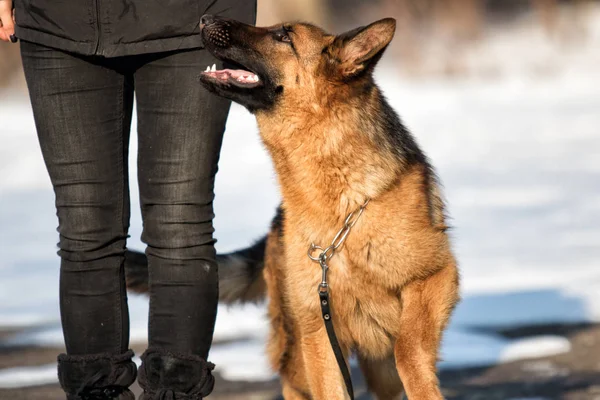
(113, 28)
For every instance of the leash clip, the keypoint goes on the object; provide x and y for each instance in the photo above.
(324, 286)
(322, 258)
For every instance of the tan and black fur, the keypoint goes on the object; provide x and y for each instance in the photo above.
(336, 142)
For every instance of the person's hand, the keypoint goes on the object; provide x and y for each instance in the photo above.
(7, 22)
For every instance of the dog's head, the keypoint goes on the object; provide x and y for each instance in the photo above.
(266, 66)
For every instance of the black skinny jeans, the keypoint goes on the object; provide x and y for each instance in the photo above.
(82, 108)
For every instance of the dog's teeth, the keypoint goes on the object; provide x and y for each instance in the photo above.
(214, 68)
(207, 69)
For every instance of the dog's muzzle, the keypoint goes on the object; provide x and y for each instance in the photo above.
(215, 31)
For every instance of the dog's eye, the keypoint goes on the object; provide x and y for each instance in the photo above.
(283, 37)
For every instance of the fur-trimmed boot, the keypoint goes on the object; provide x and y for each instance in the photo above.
(97, 376)
(172, 376)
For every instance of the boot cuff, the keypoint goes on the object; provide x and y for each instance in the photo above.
(83, 375)
(174, 376)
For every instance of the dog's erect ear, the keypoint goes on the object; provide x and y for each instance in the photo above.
(363, 46)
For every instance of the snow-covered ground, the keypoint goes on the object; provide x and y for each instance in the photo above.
(520, 160)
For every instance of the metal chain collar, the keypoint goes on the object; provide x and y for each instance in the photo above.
(339, 239)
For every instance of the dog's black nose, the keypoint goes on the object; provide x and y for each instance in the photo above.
(207, 19)
(215, 31)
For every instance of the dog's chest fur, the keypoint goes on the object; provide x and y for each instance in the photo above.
(367, 274)
(364, 312)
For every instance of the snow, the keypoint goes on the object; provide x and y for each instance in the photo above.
(540, 346)
(245, 361)
(519, 157)
(27, 376)
(470, 349)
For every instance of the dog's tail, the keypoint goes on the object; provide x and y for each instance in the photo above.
(240, 273)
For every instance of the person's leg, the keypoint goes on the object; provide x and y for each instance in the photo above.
(180, 128)
(82, 113)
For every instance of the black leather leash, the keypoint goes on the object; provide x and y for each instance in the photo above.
(324, 256)
(335, 345)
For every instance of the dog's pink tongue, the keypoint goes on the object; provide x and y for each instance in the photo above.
(239, 75)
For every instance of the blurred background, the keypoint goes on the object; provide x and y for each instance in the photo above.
(503, 95)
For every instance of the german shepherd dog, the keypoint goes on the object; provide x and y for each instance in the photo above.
(336, 143)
